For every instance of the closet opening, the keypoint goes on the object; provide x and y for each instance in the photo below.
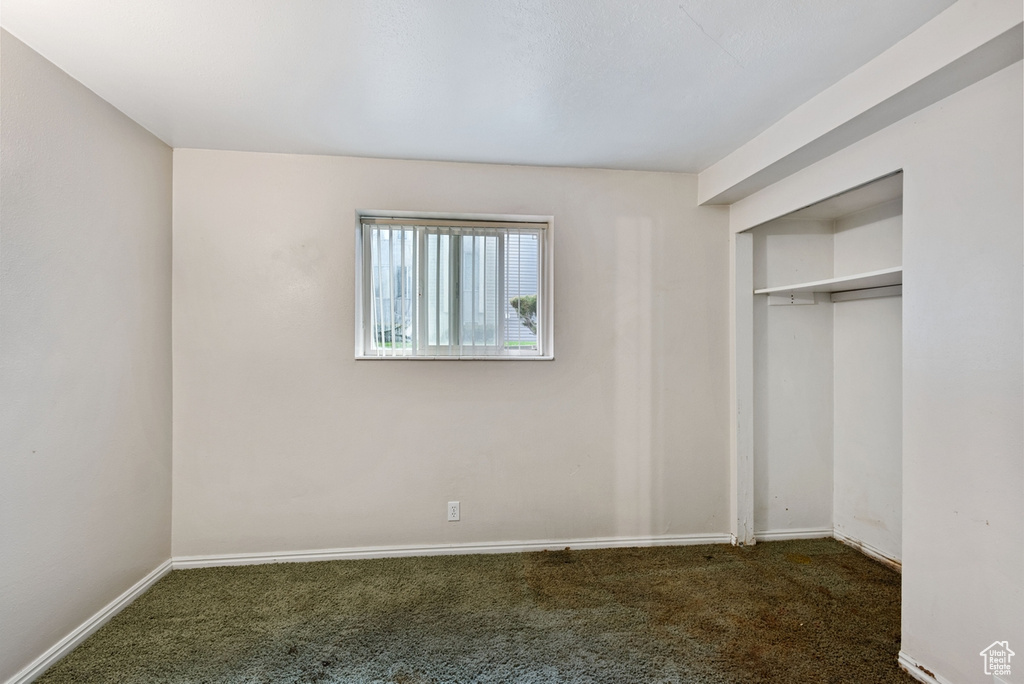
(826, 385)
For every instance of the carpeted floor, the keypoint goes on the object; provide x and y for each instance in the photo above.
(804, 611)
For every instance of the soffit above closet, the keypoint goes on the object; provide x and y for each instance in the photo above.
(654, 85)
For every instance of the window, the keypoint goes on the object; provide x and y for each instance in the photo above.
(439, 288)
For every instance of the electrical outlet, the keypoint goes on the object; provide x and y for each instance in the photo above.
(453, 511)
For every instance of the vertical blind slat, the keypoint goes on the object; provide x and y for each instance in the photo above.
(472, 298)
(437, 291)
(391, 293)
(501, 289)
(419, 281)
(406, 292)
(487, 294)
(368, 281)
(378, 325)
(396, 347)
(453, 312)
(519, 284)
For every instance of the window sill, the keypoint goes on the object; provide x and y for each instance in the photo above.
(455, 358)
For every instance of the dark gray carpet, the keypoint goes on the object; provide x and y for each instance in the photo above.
(806, 611)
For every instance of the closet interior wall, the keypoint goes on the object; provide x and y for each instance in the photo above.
(868, 388)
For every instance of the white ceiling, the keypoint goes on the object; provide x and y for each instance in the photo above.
(641, 84)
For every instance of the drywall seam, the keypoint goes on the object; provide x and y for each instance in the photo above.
(210, 561)
(800, 533)
(869, 551)
(87, 628)
(919, 672)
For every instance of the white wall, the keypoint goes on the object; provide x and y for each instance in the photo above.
(869, 240)
(792, 381)
(867, 454)
(868, 387)
(792, 416)
(963, 371)
(789, 251)
(282, 441)
(85, 266)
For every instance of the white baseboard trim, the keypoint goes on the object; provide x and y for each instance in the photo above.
(870, 551)
(919, 672)
(86, 629)
(185, 562)
(783, 535)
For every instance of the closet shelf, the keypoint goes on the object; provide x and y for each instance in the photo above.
(859, 281)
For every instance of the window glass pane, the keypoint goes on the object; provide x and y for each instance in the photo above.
(479, 291)
(451, 290)
(521, 289)
(392, 296)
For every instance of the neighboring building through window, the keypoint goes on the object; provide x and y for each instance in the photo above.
(437, 288)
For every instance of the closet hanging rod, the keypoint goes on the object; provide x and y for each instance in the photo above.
(869, 293)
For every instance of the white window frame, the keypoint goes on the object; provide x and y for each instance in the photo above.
(545, 274)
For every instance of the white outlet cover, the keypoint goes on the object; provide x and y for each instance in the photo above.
(453, 511)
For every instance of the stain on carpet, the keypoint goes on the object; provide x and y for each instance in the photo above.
(801, 611)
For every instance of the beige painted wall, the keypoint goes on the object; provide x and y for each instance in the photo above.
(282, 441)
(963, 371)
(85, 368)
(868, 387)
(792, 381)
(868, 447)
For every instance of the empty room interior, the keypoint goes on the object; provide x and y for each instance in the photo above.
(543, 341)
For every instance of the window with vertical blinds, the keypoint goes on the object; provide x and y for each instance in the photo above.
(452, 289)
